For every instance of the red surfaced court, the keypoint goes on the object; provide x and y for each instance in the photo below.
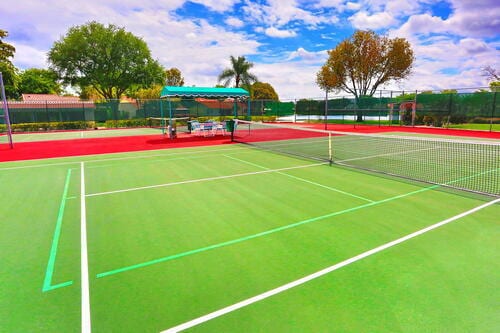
(80, 147)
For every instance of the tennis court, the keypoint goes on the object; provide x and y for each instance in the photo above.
(68, 135)
(234, 238)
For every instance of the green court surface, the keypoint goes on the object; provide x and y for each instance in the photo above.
(170, 236)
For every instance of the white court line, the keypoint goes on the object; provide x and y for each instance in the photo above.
(320, 273)
(86, 323)
(116, 158)
(303, 179)
(203, 179)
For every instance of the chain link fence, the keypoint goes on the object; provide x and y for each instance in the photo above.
(469, 108)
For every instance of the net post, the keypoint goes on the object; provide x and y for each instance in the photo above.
(6, 112)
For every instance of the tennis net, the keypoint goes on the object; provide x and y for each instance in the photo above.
(462, 164)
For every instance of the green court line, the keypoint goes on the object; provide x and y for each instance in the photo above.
(260, 234)
(47, 282)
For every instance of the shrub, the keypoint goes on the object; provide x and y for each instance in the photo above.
(37, 127)
(127, 123)
(428, 120)
(480, 120)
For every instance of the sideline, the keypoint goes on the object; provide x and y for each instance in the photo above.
(47, 282)
(86, 323)
(293, 284)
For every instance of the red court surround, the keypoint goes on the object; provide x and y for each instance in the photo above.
(78, 147)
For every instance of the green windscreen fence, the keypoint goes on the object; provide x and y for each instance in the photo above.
(432, 109)
(384, 108)
(50, 115)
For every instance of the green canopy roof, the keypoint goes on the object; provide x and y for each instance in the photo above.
(169, 91)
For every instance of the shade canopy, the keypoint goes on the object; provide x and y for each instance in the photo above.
(170, 91)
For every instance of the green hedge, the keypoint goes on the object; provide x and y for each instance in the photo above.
(67, 125)
(127, 123)
(479, 120)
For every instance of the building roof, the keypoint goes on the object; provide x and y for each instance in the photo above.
(216, 104)
(49, 98)
(170, 91)
(47, 101)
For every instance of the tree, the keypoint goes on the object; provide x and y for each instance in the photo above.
(39, 81)
(365, 61)
(9, 71)
(153, 92)
(239, 71)
(262, 90)
(108, 59)
(6, 50)
(10, 79)
(174, 77)
(495, 86)
(449, 91)
(491, 73)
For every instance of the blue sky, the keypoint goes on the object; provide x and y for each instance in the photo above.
(287, 40)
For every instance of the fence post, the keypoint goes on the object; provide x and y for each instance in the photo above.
(391, 112)
(83, 114)
(449, 110)
(295, 110)
(6, 112)
(493, 109)
(380, 106)
(47, 112)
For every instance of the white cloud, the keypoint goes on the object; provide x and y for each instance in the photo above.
(217, 5)
(363, 20)
(234, 22)
(273, 32)
(280, 13)
(308, 56)
(200, 50)
(450, 51)
(421, 24)
(280, 74)
(473, 46)
(27, 56)
(353, 6)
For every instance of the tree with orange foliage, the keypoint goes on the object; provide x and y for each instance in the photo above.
(360, 64)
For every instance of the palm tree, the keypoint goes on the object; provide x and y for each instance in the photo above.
(238, 72)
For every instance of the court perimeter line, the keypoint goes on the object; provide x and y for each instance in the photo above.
(112, 158)
(293, 284)
(203, 180)
(47, 282)
(301, 179)
(260, 234)
(86, 323)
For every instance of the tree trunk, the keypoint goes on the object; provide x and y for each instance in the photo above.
(359, 113)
